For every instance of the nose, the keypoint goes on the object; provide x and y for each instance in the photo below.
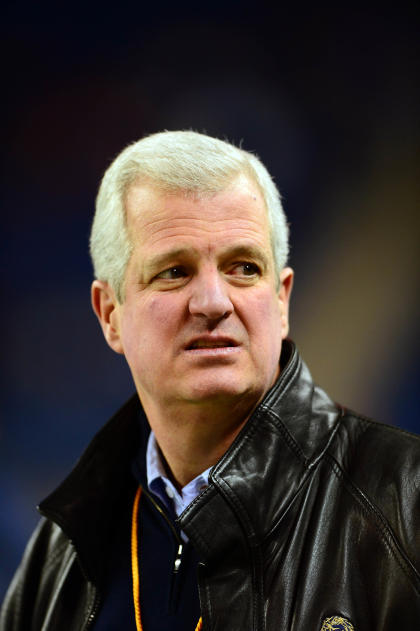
(210, 297)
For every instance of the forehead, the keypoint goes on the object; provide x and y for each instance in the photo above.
(156, 218)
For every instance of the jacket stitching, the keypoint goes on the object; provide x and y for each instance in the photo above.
(308, 466)
(279, 392)
(288, 437)
(261, 417)
(245, 525)
(231, 453)
(195, 501)
(254, 552)
(309, 472)
(390, 428)
(381, 525)
(286, 379)
(241, 512)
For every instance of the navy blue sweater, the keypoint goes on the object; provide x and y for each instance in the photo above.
(168, 600)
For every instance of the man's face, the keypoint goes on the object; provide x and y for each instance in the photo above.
(203, 316)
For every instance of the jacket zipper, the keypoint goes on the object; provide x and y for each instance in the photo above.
(178, 555)
(178, 558)
(177, 563)
(93, 612)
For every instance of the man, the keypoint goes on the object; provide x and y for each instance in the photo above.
(231, 493)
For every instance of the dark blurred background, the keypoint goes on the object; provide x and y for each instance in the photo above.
(327, 97)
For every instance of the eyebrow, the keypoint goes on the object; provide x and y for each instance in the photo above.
(246, 250)
(163, 259)
(250, 251)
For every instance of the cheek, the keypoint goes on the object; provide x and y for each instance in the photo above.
(148, 325)
(265, 323)
(266, 309)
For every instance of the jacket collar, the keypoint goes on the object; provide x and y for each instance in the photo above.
(100, 487)
(254, 481)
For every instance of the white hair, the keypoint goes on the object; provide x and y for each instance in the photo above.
(174, 161)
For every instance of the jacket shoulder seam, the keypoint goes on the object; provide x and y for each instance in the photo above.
(381, 524)
(386, 426)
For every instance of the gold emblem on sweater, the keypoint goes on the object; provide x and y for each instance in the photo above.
(337, 623)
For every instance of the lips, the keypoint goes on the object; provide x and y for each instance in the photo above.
(204, 342)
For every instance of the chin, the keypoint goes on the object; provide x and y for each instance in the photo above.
(219, 391)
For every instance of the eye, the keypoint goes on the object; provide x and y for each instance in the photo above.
(245, 269)
(172, 273)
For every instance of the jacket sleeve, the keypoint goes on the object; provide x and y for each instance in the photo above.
(27, 596)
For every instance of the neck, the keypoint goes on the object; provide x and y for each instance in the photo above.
(193, 438)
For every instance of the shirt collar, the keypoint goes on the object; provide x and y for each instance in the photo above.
(160, 485)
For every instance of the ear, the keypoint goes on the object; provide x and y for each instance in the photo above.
(107, 310)
(286, 284)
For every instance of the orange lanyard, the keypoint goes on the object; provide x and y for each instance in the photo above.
(135, 565)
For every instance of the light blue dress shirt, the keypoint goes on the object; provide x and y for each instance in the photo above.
(159, 483)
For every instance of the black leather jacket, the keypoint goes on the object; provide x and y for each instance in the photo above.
(312, 513)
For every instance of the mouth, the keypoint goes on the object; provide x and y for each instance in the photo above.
(211, 343)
